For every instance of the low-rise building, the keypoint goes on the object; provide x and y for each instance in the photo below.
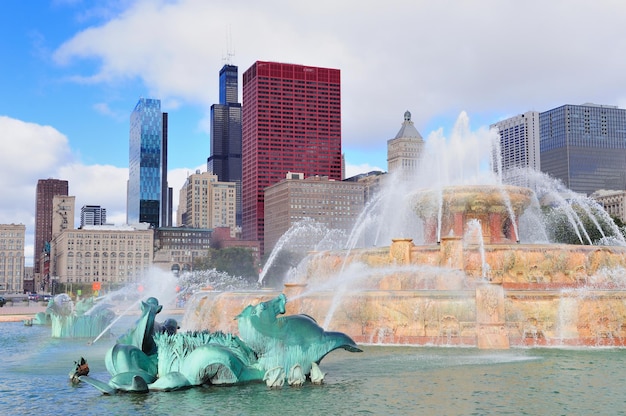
(176, 248)
(113, 255)
(613, 202)
(12, 257)
(223, 237)
(336, 204)
(405, 150)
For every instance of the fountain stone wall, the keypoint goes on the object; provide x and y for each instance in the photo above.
(487, 293)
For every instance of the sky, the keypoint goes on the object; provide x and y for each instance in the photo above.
(71, 72)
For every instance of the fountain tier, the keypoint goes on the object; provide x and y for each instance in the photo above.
(483, 292)
(447, 211)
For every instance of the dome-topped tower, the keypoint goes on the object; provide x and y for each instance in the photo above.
(405, 150)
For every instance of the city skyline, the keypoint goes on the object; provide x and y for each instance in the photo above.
(75, 71)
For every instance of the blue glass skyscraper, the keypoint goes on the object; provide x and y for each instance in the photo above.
(225, 158)
(147, 199)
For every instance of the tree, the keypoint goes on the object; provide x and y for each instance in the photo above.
(579, 225)
(236, 261)
(280, 267)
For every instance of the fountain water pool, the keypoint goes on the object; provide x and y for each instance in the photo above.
(381, 380)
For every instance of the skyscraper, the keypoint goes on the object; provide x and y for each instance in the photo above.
(291, 123)
(206, 202)
(519, 146)
(225, 159)
(148, 194)
(92, 215)
(584, 146)
(46, 190)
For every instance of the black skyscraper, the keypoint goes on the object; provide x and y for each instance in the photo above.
(225, 159)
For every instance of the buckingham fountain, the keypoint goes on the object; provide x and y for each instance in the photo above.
(468, 261)
(480, 268)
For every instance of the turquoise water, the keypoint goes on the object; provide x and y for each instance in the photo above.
(380, 381)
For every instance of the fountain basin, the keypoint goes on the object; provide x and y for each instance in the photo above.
(481, 289)
(448, 210)
(532, 295)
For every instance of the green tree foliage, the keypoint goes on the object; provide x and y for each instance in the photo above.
(578, 227)
(236, 261)
(620, 224)
(284, 261)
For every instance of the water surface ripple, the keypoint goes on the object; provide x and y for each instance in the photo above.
(381, 380)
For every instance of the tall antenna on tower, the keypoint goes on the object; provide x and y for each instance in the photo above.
(230, 52)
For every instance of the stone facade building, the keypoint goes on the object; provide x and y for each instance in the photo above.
(111, 255)
(12, 257)
(405, 150)
(207, 203)
(336, 204)
(613, 202)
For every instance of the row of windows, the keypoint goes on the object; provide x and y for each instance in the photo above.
(5, 234)
(88, 236)
(105, 254)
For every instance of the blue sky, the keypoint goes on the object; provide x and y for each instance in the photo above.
(71, 72)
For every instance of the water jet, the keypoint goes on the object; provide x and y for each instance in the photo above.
(438, 286)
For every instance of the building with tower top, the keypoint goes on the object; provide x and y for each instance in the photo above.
(405, 150)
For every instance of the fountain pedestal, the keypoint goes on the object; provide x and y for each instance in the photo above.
(452, 252)
(400, 250)
(496, 207)
(478, 286)
(491, 332)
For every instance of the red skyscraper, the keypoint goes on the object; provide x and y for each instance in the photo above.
(291, 123)
(46, 190)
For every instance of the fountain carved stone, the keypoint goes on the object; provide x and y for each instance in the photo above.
(490, 292)
(495, 206)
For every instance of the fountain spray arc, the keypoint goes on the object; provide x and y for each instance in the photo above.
(430, 287)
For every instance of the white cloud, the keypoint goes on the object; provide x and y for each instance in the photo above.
(29, 152)
(353, 170)
(102, 185)
(433, 58)
(106, 110)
